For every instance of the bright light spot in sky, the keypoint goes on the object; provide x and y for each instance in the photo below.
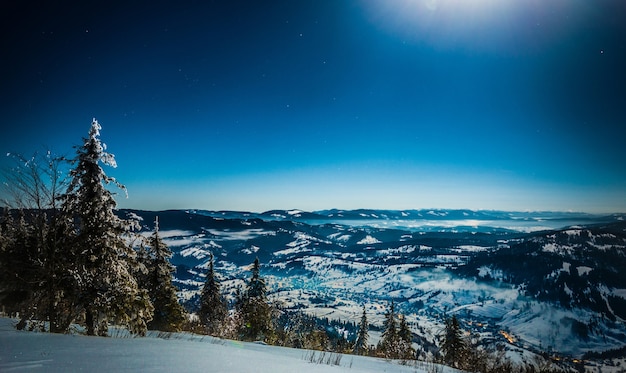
(439, 16)
(477, 25)
(459, 6)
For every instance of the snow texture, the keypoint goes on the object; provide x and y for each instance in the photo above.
(182, 352)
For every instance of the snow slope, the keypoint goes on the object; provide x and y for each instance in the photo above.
(42, 352)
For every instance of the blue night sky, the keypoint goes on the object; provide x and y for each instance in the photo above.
(398, 104)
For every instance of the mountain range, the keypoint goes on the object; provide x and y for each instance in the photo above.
(547, 282)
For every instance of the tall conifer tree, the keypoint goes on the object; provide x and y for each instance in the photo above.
(169, 315)
(213, 309)
(405, 339)
(101, 259)
(453, 346)
(396, 340)
(389, 339)
(255, 309)
(362, 339)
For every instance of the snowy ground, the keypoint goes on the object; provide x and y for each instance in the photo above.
(42, 352)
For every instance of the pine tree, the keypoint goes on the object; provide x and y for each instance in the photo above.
(256, 287)
(102, 261)
(453, 346)
(169, 315)
(213, 309)
(404, 332)
(405, 339)
(361, 344)
(255, 309)
(389, 341)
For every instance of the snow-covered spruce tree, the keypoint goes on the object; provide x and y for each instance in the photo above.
(254, 308)
(388, 345)
(102, 261)
(169, 315)
(362, 339)
(213, 310)
(453, 346)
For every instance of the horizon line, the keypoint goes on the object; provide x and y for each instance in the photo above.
(381, 209)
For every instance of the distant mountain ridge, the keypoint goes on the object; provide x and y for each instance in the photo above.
(428, 214)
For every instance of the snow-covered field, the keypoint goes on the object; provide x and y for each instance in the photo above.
(41, 352)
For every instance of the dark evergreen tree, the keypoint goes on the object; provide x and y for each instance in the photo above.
(213, 310)
(32, 261)
(396, 340)
(169, 315)
(256, 287)
(405, 340)
(453, 346)
(102, 261)
(59, 279)
(361, 345)
(20, 274)
(389, 342)
(27, 280)
(403, 331)
(254, 308)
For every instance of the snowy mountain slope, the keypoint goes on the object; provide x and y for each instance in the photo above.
(40, 352)
(575, 267)
(494, 280)
(572, 282)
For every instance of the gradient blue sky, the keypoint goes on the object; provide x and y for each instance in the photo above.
(399, 104)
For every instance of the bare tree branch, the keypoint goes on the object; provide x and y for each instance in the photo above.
(35, 182)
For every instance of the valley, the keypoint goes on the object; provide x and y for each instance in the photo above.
(548, 283)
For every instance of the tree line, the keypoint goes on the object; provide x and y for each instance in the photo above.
(67, 259)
